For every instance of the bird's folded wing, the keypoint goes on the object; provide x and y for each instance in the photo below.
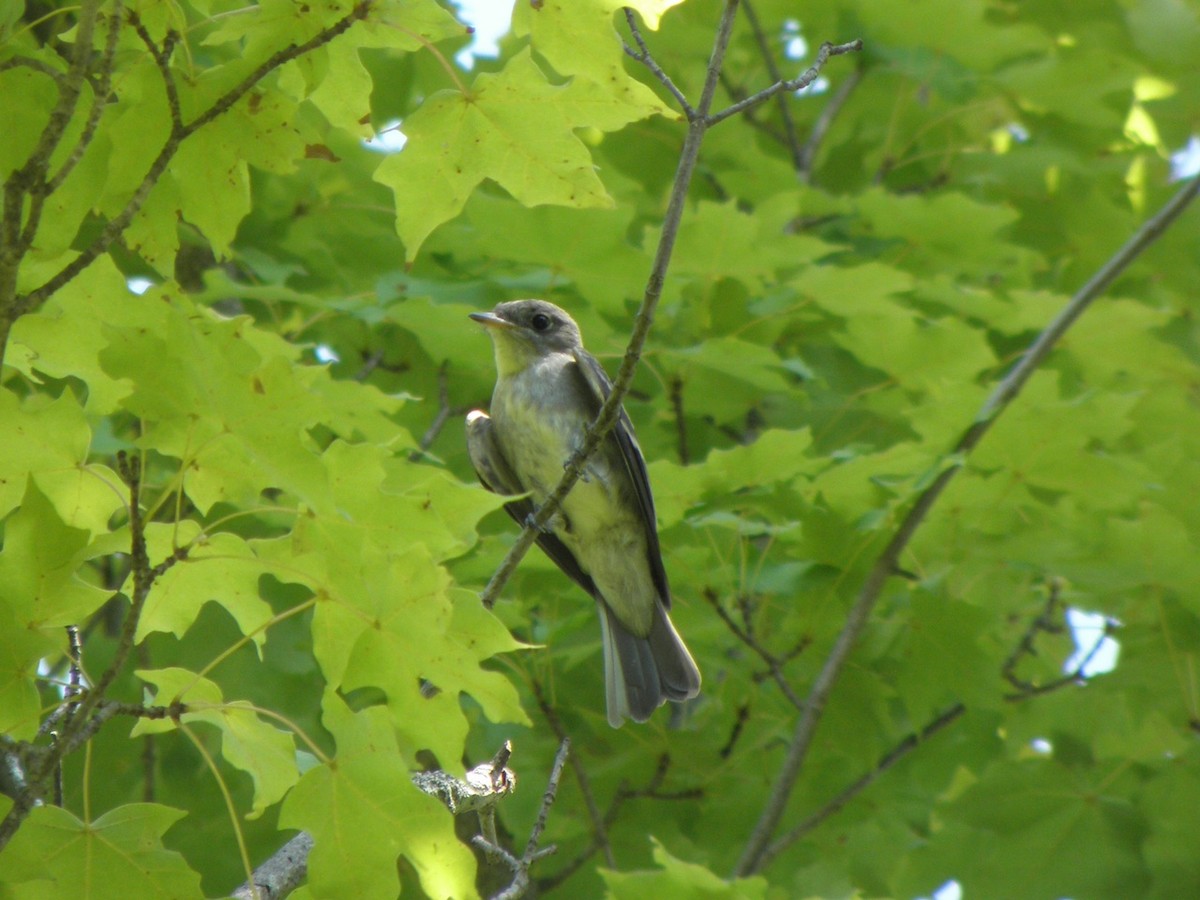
(635, 464)
(498, 476)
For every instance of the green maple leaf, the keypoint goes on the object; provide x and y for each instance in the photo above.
(57, 856)
(363, 806)
(514, 128)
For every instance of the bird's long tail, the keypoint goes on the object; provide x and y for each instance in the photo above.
(640, 674)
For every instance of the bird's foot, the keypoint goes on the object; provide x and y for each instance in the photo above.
(550, 527)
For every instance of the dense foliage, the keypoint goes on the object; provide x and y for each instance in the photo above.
(246, 488)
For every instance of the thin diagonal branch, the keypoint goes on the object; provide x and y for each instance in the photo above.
(791, 140)
(752, 859)
(820, 128)
(162, 60)
(99, 100)
(1077, 675)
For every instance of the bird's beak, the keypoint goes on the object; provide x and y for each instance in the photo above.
(491, 320)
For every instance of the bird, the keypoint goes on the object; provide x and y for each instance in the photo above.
(604, 535)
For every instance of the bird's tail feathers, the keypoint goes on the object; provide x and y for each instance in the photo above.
(640, 674)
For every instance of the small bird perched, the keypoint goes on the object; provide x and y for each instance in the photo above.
(604, 536)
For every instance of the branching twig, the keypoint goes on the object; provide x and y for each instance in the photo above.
(162, 60)
(444, 414)
(911, 742)
(483, 787)
(753, 854)
(99, 100)
(745, 634)
(520, 867)
(1049, 620)
(825, 51)
(642, 55)
(652, 789)
(848, 793)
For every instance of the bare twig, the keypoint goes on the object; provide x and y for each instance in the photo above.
(73, 689)
(162, 60)
(1010, 386)
(825, 51)
(520, 867)
(99, 100)
(642, 55)
(444, 414)
(625, 793)
(940, 722)
(1048, 621)
(25, 189)
(848, 793)
(28, 62)
(743, 714)
(676, 391)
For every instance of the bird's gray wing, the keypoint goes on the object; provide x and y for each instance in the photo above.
(599, 386)
(497, 476)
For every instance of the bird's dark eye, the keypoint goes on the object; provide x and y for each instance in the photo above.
(540, 322)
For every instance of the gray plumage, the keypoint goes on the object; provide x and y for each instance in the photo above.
(548, 389)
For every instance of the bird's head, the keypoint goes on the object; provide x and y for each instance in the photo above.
(524, 331)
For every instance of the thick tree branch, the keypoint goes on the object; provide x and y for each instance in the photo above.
(285, 871)
(752, 859)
